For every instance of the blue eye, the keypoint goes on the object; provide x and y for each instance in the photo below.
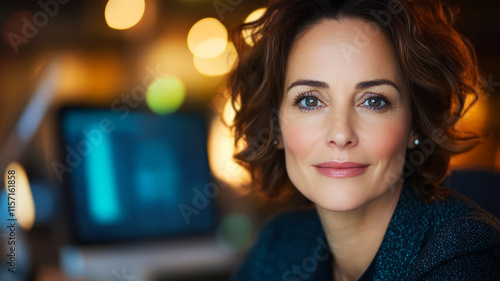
(308, 102)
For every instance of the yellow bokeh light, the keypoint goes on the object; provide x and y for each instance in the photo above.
(124, 14)
(18, 188)
(211, 48)
(221, 150)
(255, 15)
(207, 38)
(219, 65)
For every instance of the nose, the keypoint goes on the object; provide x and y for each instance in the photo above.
(341, 133)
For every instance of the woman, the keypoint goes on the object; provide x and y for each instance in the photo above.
(353, 104)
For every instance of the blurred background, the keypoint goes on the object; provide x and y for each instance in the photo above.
(105, 103)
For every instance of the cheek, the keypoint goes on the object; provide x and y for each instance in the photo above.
(299, 138)
(388, 140)
(295, 141)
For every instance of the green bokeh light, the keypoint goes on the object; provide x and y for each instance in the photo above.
(165, 95)
(234, 232)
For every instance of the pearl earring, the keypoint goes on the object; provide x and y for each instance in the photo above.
(275, 142)
(416, 141)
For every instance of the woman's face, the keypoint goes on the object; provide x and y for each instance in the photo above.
(344, 101)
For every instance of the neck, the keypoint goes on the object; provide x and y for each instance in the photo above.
(355, 236)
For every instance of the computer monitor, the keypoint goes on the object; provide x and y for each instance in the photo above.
(134, 175)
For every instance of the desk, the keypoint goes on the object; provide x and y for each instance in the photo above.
(180, 260)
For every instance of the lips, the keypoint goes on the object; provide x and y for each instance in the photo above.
(335, 169)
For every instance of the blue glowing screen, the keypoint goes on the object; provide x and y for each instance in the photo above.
(136, 175)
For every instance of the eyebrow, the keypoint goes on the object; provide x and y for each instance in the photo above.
(311, 83)
(361, 85)
(376, 82)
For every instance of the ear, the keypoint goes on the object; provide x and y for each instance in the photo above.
(411, 140)
(279, 139)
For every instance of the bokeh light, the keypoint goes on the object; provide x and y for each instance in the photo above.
(90, 77)
(221, 150)
(15, 29)
(219, 65)
(124, 14)
(253, 16)
(207, 38)
(24, 208)
(165, 95)
(234, 232)
(475, 120)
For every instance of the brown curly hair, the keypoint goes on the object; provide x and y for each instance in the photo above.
(439, 66)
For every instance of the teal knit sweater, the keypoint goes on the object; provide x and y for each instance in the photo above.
(452, 239)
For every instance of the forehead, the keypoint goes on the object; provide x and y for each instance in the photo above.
(336, 49)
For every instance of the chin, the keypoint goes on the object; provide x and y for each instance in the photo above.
(340, 201)
(338, 205)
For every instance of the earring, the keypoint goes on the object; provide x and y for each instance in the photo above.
(416, 141)
(275, 142)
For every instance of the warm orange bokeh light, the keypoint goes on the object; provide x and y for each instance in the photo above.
(253, 16)
(221, 150)
(475, 120)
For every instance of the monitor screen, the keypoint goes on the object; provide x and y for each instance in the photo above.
(135, 175)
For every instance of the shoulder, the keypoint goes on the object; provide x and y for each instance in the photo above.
(288, 224)
(458, 216)
(451, 239)
(284, 241)
(280, 233)
(463, 241)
